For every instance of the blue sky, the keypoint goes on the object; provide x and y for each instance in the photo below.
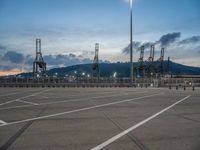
(74, 26)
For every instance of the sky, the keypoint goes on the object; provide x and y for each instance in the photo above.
(69, 30)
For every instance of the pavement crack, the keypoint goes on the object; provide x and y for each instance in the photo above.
(134, 139)
(11, 140)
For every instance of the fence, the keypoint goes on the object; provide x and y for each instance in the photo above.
(101, 82)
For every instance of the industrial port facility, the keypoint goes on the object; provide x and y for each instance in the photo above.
(138, 105)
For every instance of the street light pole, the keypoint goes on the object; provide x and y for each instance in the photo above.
(131, 42)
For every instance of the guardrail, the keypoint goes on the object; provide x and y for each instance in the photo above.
(102, 82)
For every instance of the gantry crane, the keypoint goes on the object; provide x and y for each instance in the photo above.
(150, 66)
(39, 66)
(141, 67)
(161, 68)
(95, 65)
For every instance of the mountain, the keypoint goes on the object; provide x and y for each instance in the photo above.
(122, 70)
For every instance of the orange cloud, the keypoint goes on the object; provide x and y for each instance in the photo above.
(12, 72)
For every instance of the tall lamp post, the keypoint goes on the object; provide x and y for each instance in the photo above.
(131, 42)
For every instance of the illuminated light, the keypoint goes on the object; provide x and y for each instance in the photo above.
(131, 4)
(115, 74)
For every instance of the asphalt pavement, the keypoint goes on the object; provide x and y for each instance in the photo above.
(99, 118)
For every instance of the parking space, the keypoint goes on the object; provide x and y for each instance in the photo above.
(99, 118)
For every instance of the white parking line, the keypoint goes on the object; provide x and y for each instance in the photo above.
(111, 140)
(83, 94)
(16, 92)
(3, 122)
(79, 110)
(27, 102)
(65, 101)
(23, 97)
(15, 107)
(80, 99)
(8, 102)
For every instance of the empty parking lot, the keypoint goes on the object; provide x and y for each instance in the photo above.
(99, 118)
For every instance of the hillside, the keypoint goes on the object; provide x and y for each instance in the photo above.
(108, 69)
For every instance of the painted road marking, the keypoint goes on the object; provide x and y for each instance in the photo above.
(65, 101)
(8, 102)
(72, 96)
(16, 92)
(3, 122)
(79, 99)
(27, 102)
(79, 110)
(111, 140)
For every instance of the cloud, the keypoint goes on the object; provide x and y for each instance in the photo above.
(180, 50)
(137, 46)
(2, 47)
(85, 53)
(61, 60)
(11, 72)
(168, 39)
(191, 40)
(164, 41)
(12, 60)
(13, 57)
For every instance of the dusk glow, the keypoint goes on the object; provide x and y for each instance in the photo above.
(69, 27)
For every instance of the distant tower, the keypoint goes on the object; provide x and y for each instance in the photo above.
(152, 52)
(39, 66)
(168, 66)
(162, 61)
(95, 65)
(150, 68)
(141, 67)
(141, 59)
